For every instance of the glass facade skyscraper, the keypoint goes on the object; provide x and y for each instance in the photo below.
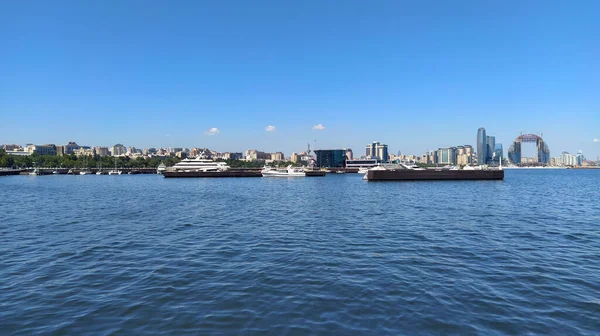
(491, 147)
(499, 152)
(481, 146)
(446, 156)
(331, 158)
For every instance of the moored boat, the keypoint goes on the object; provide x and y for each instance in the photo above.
(283, 172)
(199, 164)
(161, 168)
(403, 172)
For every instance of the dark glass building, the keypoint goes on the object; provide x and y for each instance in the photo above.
(330, 158)
(481, 146)
(491, 147)
(499, 152)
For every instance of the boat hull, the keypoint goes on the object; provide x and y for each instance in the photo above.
(432, 174)
(6, 172)
(228, 173)
(283, 175)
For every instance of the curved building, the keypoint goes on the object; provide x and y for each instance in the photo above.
(543, 152)
(481, 146)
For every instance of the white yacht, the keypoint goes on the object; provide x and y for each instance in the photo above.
(199, 164)
(283, 172)
(161, 168)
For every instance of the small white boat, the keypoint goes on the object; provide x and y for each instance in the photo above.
(340, 172)
(55, 172)
(98, 173)
(115, 171)
(35, 172)
(161, 168)
(280, 172)
(85, 172)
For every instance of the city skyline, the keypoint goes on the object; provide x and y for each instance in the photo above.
(457, 154)
(204, 75)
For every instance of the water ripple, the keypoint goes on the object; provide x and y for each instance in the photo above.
(101, 255)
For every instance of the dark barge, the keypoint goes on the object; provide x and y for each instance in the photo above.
(403, 174)
(6, 172)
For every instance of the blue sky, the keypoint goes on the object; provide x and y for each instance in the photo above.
(416, 75)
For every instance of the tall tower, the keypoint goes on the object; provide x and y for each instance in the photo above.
(481, 146)
(491, 147)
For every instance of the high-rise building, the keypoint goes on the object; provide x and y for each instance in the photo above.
(499, 152)
(349, 154)
(295, 158)
(102, 151)
(447, 155)
(382, 152)
(330, 158)
(481, 146)
(60, 150)
(277, 156)
(370, 150)
(377, 151)
(491, 148)
(464, 155)
(118, 150)
(580, 158)
(568, 159)
(255, 155)
(71, 147)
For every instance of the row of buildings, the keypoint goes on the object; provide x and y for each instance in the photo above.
(119, 150)
(488, 152)
(80, 150)
(68, 149)
(567, 159)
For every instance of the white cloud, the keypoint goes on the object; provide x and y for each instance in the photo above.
(212, 131)
(270, 128)
(596, 140)
(318, 127)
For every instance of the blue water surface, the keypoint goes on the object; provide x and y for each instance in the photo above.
(144, 255)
